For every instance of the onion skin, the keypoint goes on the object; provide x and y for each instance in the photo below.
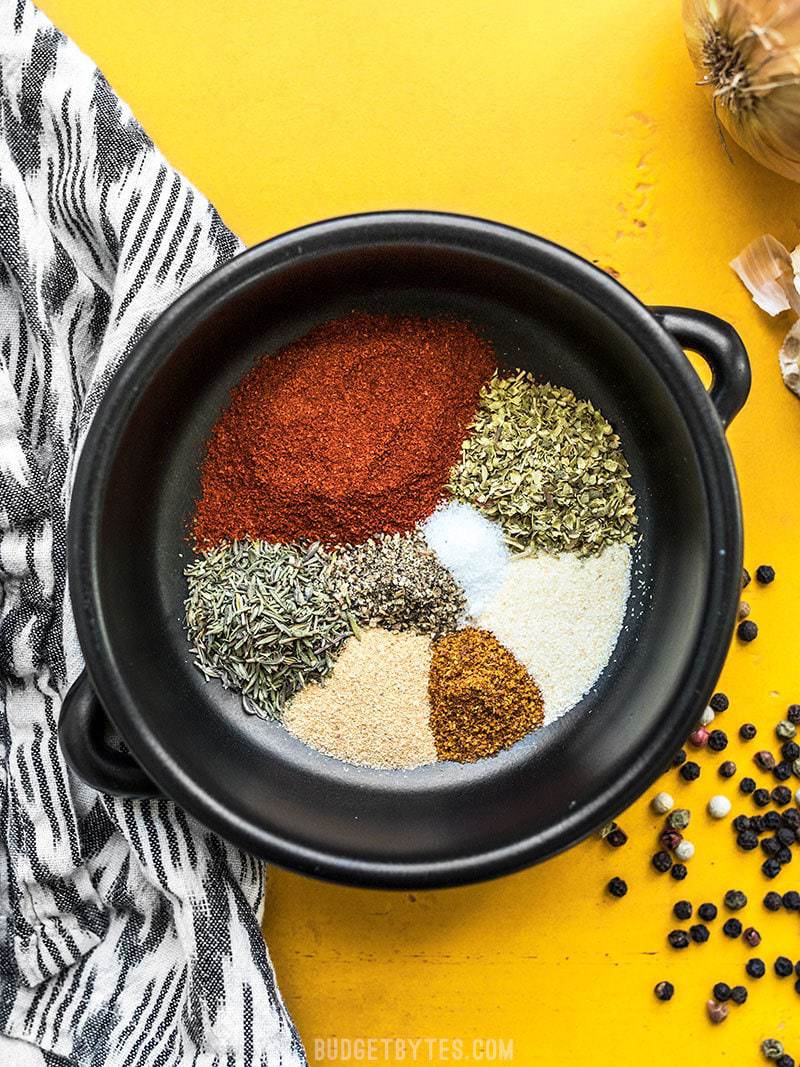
(747, 54)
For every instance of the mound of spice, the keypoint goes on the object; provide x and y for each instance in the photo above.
(265, 619)
(347, 432)
(373, 707)
(395, 581)
(482, 700)
(548, 467)
(472, 547)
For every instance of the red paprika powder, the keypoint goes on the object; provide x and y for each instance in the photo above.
(347, 432)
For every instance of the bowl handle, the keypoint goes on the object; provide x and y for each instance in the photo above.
(720, 346)
(94, 749)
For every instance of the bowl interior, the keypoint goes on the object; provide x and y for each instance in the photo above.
(290, 801)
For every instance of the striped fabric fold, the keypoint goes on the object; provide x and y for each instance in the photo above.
(129, 934)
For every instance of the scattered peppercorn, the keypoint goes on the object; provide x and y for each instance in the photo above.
(765, 574)
(684, 850)
(699, 933)
(699, 737)
(719, 702)
(682, 910)
(785, 835)
(761, 797)
(770, 846)
(785, 1061)
(744, 609)
(747, 731)
(690, 771)
(783, 855)
(617, 837)
(772, 820)
(664, 991)
(790, 750)
(757, 824)
(786, 730)
(756, 968)
(728, 768)
(773, 901)
(771, 868)
(783, 771)
(747, 631)
(747, 840)
(793, 713)
(678, 938)
(783, 967)
(662, 803)
(791, 818)
(717, 740)
(717, 1013)
(747, 785)
(679, 757)
(662, 862)
(719, 806)
(738, 994)
(745, 577)
(617, 887)
(791, 901)
(772, 1048)
(679, 872)
(741, 822)
(707, 912)
(679, 818)
(735, 900)
(782, 795)
(722, 991)
(732, 928)
(751, 937)
(765, 760)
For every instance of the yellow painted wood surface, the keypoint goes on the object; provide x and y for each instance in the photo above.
(579, 121)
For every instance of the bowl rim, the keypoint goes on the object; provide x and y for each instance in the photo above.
(481, 236)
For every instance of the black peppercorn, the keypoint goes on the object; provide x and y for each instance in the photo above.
(682, 910)
(722, 991)
(747, 731)
(707, 912)
(616, 838)
(765, 760)
(773, 901)
(678, 938)
(783, 967)
(717, 740)
(747, 785)
(782, 771)
(664, 991)
(735, 900)
(699, 933)
(741, 822)
(790, 750)
(747, 631)
(747, 840)
(791, 901)
(772, 820)
(757, 824)
(661, 861)
(727, 769)
(732, 928)
(797, 986)
(770, 846)
(738, 994)
(617, 887)
(761, 797)
(719, 702)
(756, 968)
(785, 1061)
(770, 868)
(745, 577)
(679, 872)
(679, 757)
(791, 818)
(751, 937)
(765, 574)
(785, 835)
(781, 795)
(793, 714)
(783, 855)
(690, 771)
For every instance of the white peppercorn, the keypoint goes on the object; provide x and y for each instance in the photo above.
(719, 806)
(662, 803)
(684, 851)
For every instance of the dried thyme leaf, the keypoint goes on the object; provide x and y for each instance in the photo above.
(548, 467)
(265, 619)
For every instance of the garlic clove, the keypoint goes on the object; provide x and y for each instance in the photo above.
(789, 357)
(766, 269)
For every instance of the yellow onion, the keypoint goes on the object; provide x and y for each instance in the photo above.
(747, 53)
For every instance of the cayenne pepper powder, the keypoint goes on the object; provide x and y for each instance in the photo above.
(482, 699)
(347, 432)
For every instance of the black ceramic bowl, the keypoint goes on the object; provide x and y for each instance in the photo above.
(545, 309)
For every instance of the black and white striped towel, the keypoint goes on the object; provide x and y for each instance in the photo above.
(129, 935)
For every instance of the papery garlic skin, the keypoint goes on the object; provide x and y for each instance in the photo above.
(766, 268)
(747, 52)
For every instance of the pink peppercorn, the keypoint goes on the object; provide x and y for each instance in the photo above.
(671, 839)
(752, 937)
(699, 737)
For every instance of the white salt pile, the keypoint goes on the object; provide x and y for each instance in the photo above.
(561, 617)
(473, 550)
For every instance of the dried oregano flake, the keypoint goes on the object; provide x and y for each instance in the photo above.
(548, 467)
(266, 619)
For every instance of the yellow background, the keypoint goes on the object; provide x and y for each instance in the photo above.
(579, 121)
